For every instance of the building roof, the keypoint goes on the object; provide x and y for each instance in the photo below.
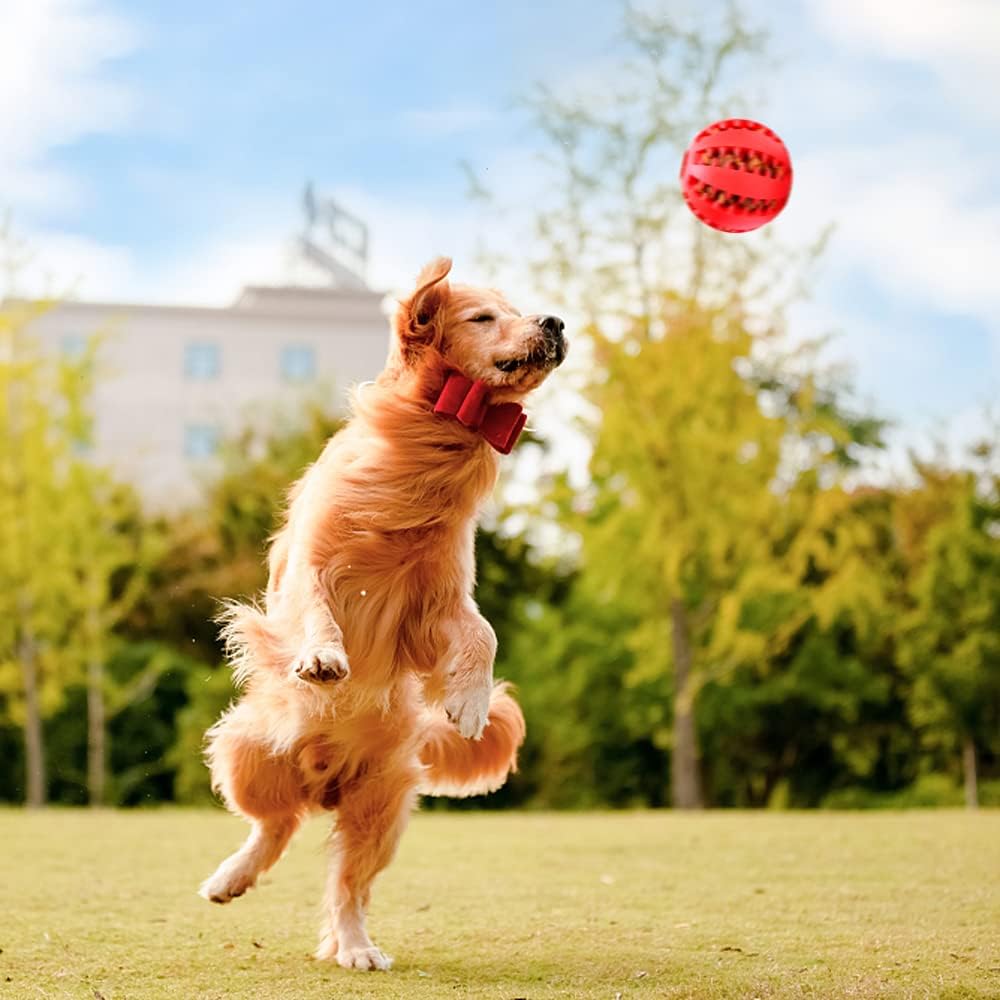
(254, 301)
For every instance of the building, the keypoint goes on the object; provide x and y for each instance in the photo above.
(175, 380)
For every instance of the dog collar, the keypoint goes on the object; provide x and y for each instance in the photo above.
(468, 403)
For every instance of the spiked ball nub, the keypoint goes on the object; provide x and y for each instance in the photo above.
(736, 175)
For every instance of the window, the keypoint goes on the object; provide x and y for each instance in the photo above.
(201, 360)
(201, 440)
(298, 363)
(73, 346)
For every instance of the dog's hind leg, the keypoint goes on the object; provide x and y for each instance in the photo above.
(371, 819)
(239, 872)
(264, 788)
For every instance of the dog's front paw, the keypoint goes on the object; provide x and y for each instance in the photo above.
(370, 959)
(321, 664)
(468, 709)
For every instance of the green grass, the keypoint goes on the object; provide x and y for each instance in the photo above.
(103, 905)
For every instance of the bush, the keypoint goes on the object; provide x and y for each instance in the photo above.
(989, 793)
(209, 692)
(930, 791)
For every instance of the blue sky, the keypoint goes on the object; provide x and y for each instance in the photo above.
(156, 151)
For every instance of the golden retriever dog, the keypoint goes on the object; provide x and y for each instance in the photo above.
(367, 674)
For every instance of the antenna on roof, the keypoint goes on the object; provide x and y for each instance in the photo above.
(334, 240)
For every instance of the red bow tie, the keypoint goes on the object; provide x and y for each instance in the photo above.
(467, 401)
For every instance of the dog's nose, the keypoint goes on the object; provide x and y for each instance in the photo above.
(552, 325)
(552, 328)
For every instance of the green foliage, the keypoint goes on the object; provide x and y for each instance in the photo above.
(930, 791)
(815, 608)
(209, 692)
(989, 793)
(714, 445)
(42, 421)
(738, 615)
(141, 730)
(951, 637)
(44, 502)
(778, 576)
(217, 550)
(589, 742)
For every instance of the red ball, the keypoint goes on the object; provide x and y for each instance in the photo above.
(736, 175)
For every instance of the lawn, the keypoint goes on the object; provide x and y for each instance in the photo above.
(102, 906)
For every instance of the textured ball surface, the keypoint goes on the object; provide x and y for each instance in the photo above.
(736, 175)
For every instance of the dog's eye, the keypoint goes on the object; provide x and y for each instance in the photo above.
(482, 318)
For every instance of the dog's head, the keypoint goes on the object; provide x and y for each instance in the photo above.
(477, 332)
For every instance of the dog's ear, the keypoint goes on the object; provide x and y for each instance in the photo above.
(418, 316)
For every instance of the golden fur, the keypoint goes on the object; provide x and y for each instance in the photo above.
(367, 673)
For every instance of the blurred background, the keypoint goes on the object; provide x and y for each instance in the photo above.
(749, 555)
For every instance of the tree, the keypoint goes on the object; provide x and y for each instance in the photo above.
(113, 550)
(685, 456)
(951, 638)
(612, 233)
(810, 693)
(614, 241)
(41, 423)
(708, 469)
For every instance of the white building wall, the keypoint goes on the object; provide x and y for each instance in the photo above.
(145, 403)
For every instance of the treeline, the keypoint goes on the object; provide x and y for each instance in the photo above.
(728, 612)
(747, 623)
(728, 619)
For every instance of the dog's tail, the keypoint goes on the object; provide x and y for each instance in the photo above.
(457, 767)
(250, 642)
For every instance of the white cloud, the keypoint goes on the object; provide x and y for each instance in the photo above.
(53, 91)
(958, 40)
(67, 264)
(916, 211)
(919, 215)
(925, 230)
(407, 229)
(921, 224)
(215, 272)
(405, 233)
(948, 440)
